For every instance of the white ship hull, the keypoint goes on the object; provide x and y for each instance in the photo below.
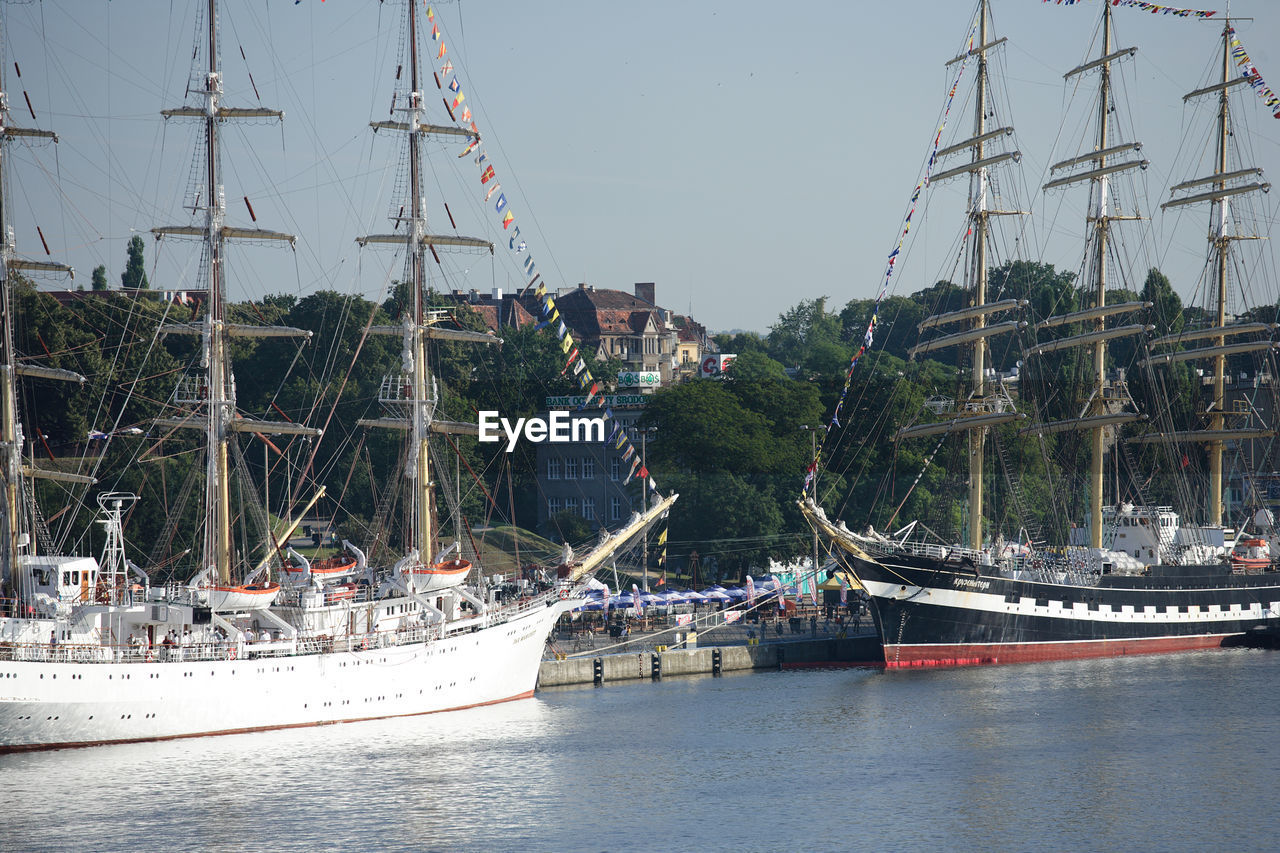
(45, 705)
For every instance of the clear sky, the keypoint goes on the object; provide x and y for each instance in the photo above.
(742, 155)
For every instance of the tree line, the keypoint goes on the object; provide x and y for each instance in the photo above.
(736, 448)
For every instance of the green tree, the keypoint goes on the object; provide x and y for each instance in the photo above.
(755, 366)
(727, 517)
(134, 276)
(740, 342)
(568, 526)
(802, 331)
(99, 277)
(1166, 309)
(703, 427)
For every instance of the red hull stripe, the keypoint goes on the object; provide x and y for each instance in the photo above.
(996, 653)
(835, 664)
(36, 747)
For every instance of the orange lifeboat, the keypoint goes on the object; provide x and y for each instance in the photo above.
(340, 592)
(252, 596)
(334, 567)
(1251, 555)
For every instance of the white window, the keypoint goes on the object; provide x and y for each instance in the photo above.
(588, 468)
(615, 468)
(553, 468)
(571, 467)
(554, 506)
(589, 509)
(571, 504)
(615, 509)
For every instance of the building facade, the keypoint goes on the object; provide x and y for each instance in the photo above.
(589, 478)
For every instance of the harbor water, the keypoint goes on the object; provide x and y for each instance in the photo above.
(1171, 752)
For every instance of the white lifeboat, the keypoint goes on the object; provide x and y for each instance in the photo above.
(437, 576)
(249, 596)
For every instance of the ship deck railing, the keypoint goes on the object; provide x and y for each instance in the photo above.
(928, 549)
(90, 653)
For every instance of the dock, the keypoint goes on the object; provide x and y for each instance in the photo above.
(644, 658)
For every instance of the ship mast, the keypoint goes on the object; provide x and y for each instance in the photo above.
(977, 437)
(1104, 408)
(13, 507)
(422, 534)
(1223, 186)
(419, 322)
(216, 391)
(1102, 227)
(984, 408)
(1218, 217)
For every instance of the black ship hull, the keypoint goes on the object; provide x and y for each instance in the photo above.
(934, 613)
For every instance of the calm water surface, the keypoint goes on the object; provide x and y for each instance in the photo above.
(1155, 753)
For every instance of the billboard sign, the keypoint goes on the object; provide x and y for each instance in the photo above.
(714, 364)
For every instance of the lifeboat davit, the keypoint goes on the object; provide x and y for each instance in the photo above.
(438, 576)
(1251, 555)
(250, 596)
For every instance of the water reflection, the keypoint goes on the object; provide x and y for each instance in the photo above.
(1151, 753)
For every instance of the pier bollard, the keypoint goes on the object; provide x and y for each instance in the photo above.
(716, 662)
(655, 661)
(597, 671)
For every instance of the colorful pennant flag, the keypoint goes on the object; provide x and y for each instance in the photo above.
(893, 255)
(1253, 75)
(1153, 8)
(551, 315)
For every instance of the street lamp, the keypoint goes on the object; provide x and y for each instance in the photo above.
(644, 503)
(813, 434)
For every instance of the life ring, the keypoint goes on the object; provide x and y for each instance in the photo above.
(231, 653)
(564, 595)
(364, 643)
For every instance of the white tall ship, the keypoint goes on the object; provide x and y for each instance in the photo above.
(91, 653)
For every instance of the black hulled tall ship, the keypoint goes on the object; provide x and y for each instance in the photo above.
(1134, 578)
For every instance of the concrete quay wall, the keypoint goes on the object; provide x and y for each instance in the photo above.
(706, 660)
